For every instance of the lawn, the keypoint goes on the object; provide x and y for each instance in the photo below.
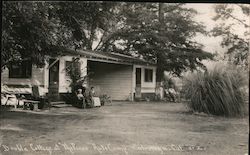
(123, 128)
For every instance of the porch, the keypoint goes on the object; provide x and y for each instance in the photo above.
(114, 80)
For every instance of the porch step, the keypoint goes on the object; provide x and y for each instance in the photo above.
(57, 103)
(61, 105)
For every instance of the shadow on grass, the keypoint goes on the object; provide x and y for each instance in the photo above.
(35, 122)
(45, 120)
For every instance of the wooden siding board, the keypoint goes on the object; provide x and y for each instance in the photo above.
(112, 79)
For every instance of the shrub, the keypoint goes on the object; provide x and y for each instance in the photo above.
(218, 91)
(168, 82)
(74, 72)
(105, 99)
(68, 98)
(76, 79)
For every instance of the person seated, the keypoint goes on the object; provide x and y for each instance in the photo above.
(172, 94)
(80, 96)
(95, 100)
(92, 92)
(89, 99)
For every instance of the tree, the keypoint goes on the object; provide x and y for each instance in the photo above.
(28, 33)
(35, 29)
(162, 33)
(234, 30)
(87, 21)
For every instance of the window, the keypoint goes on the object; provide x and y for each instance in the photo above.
(148, 75)
(68, 67)
(20, 70)
(72, 65)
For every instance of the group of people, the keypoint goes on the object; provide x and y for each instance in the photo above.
(171, 93)
(84, 99)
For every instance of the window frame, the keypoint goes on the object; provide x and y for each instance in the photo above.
(148, 72)
(24, 70)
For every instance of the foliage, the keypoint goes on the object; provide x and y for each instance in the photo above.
(234, 19)
(218, 91)
(105, 99)
(85, 20)
(162, 33)
(35, 29)
(157, 32)
(75, 73)
(169, 82)
(27, 32)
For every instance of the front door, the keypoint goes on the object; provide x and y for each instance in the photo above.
(138, 83)
(54, 80)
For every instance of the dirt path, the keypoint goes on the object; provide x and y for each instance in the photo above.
(150, 128)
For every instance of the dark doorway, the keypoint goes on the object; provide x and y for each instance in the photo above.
(54, 79)
(138, 83)
(138, 77)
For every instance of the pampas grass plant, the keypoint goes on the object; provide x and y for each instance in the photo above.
(218, 91)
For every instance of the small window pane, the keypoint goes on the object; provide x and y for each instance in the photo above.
(148, 75)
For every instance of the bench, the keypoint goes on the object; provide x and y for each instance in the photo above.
(31, 104)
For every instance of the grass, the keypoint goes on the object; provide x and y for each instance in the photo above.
(219, 91)
(124, 124)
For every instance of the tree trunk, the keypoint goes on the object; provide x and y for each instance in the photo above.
(159, 72)
(91, 38)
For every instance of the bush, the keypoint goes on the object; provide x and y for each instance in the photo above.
(105, 99)
(219, 91)
(169, 82)
(68, 98)
(73, 70)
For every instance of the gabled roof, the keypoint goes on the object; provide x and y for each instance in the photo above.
(107, 57)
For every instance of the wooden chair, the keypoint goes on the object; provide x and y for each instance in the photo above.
(7, 96)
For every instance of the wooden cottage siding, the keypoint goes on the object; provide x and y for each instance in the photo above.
(112, 79)
(37, 78)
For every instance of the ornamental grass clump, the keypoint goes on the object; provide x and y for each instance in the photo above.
(219, 91)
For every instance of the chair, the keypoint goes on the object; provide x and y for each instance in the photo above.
(35, 92)
(8, 97)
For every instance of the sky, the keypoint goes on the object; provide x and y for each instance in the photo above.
(205, 14)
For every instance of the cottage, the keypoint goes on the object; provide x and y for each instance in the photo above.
(119, 76)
